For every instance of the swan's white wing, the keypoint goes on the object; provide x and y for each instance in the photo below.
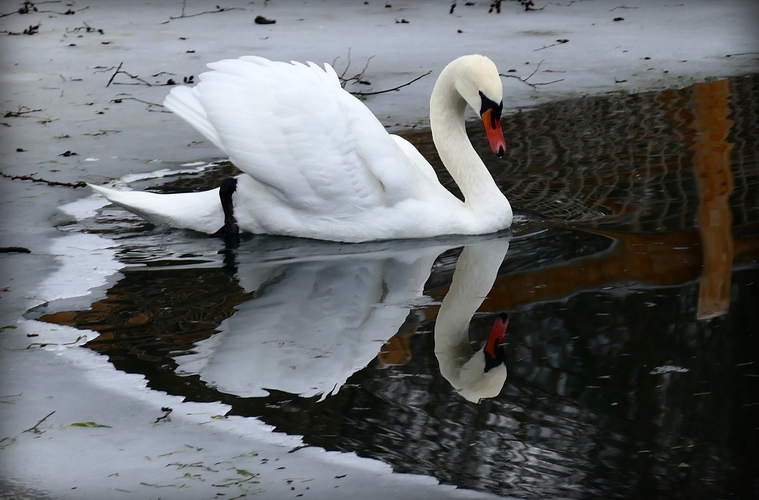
(295, 130)
(184, 102)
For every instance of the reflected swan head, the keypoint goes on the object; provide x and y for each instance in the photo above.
(483, 375)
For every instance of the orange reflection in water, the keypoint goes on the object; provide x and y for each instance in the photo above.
(711, 162)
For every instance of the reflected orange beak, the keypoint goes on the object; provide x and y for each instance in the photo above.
(497, 334)
(494, 132)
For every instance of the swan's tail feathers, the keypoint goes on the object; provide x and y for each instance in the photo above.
(199, 211)
(184, 102)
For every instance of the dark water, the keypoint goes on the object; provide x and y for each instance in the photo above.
(631, 281)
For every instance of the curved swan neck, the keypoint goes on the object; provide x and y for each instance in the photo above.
(447, 122)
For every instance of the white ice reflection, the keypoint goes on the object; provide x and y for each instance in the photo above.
(322, 312)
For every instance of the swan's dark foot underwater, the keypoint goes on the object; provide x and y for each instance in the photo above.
(229, 229)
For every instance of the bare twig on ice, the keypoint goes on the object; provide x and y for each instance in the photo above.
(77, 184)
(166, 412)
(28, 7)
(87, 29)
(558, 42)
(22, 110)
(45, 344)
(33, 29)
(134, 77)
(359, 78)
(141, 81)
(34, 429)
(533, 85)
(114, 74)
(364, 94)
(128, 97)
(183, 15)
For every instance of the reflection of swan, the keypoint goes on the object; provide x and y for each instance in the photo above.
(317, 318)
(481, 374)
(318, 164)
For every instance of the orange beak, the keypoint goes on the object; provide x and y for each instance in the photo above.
(494, 132)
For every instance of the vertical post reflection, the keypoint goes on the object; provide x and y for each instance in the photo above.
(715, 185)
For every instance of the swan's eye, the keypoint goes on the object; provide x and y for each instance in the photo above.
(490, 105)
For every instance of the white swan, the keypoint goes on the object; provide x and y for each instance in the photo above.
(318, 164)
(481, 374)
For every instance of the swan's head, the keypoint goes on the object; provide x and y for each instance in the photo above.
(485, 373)
(480, 85)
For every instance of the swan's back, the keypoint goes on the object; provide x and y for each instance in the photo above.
(293, 129)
